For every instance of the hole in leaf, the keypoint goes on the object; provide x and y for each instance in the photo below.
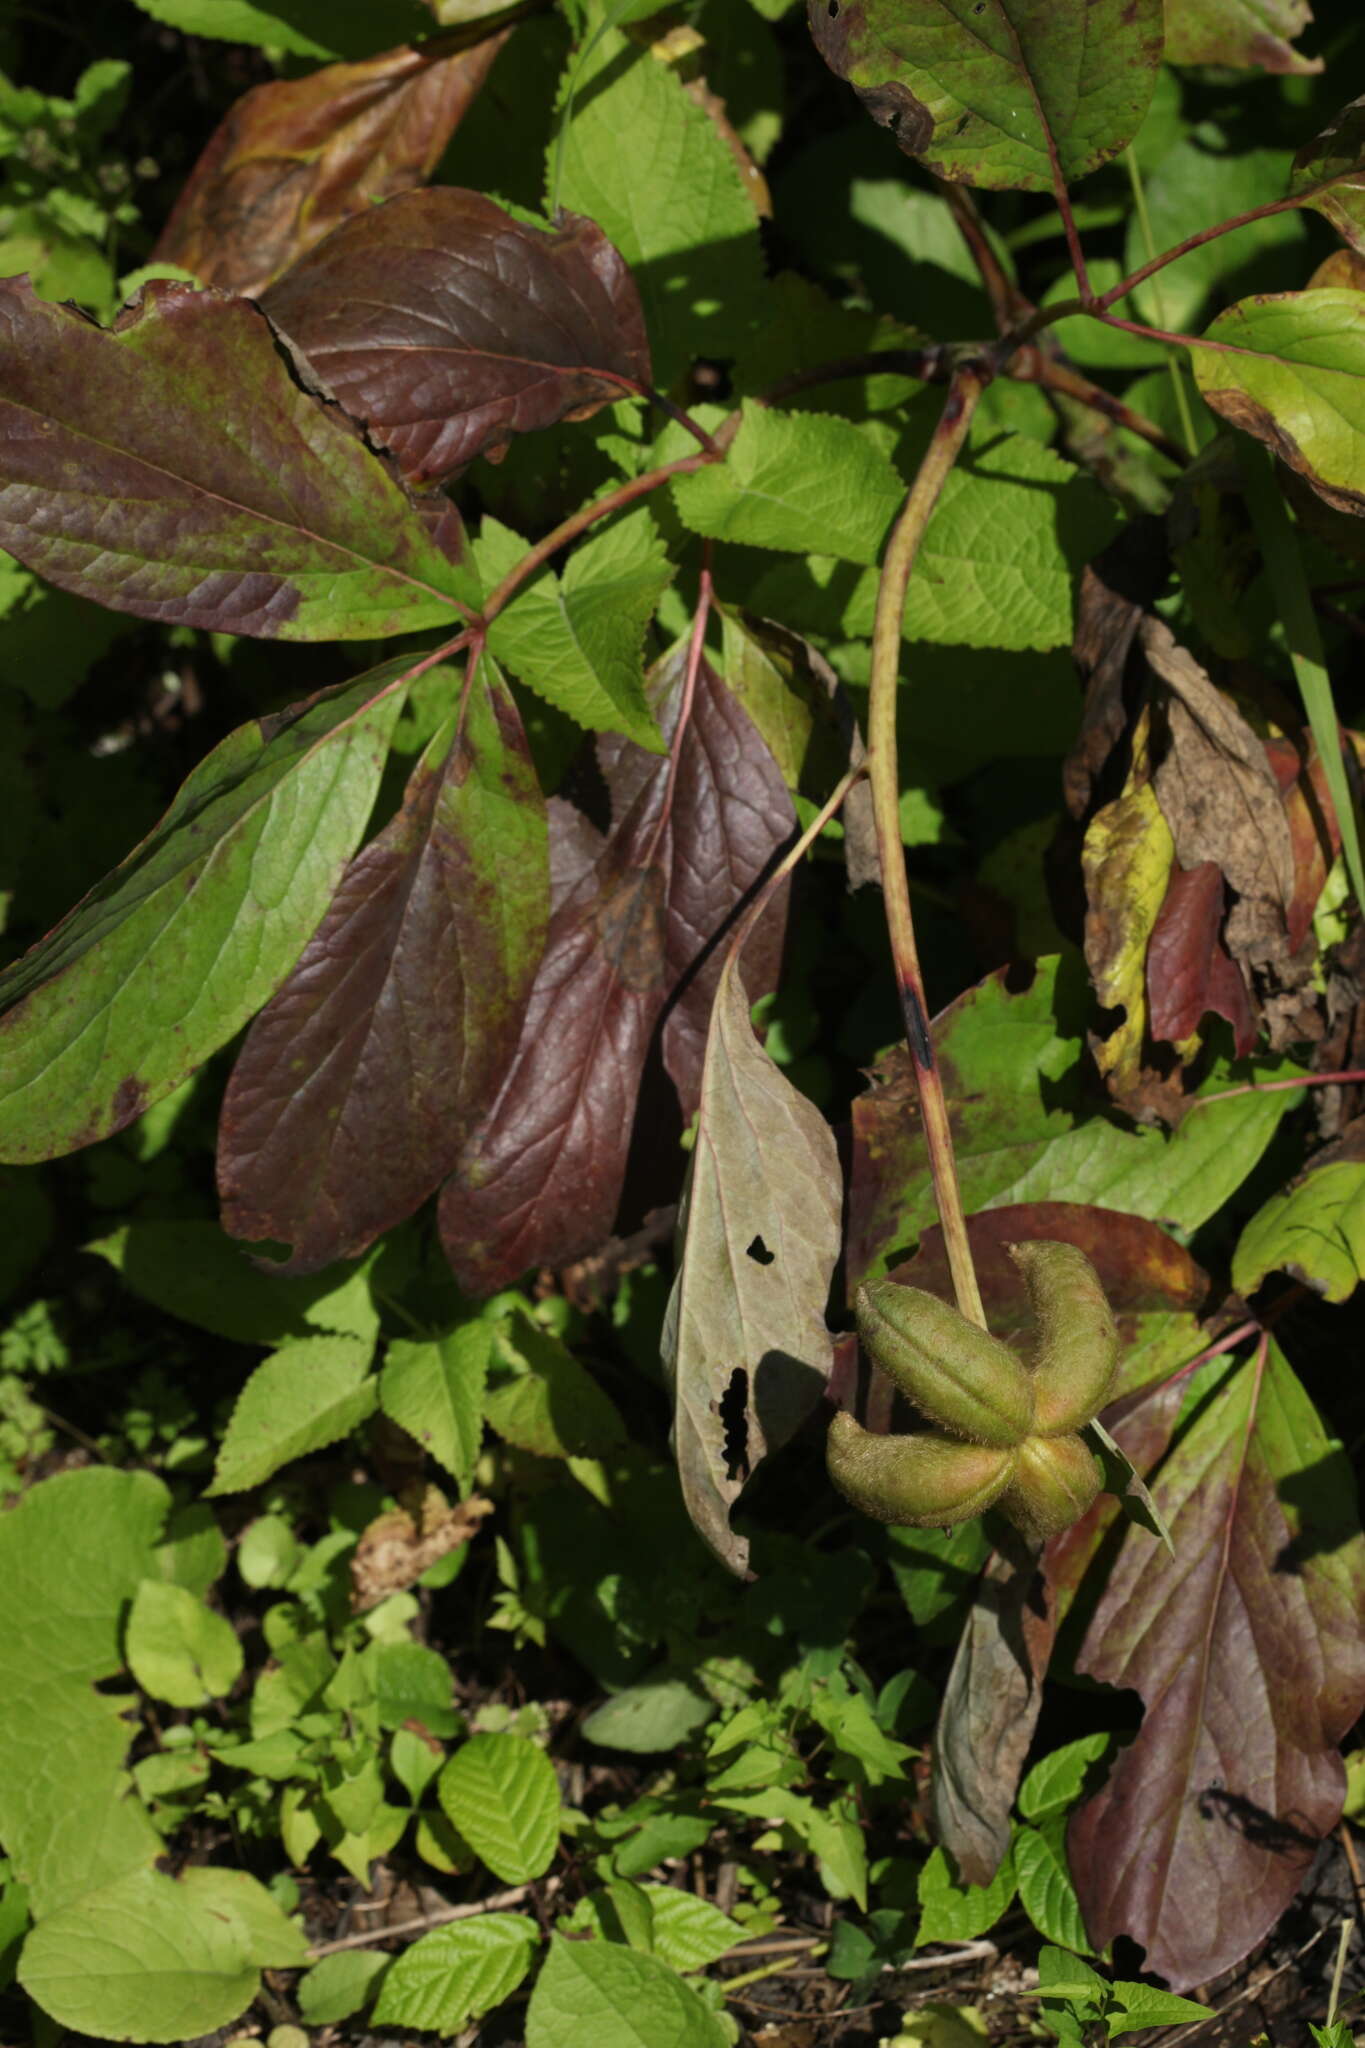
(733, 1410)
(759, 1253)
(833, 10)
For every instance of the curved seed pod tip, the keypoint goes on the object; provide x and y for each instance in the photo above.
(956, 1374)
(921, 1482)
(1077, 1353)
(1055, 1480)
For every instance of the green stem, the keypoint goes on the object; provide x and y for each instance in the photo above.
(1182, 402)
(1279, 545)
(884, 777)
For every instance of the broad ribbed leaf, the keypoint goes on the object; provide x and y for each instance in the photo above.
(760, 1238)
(1254, 33)
(636, 925)
(1314, 1229)
(295, 157)
(173, 952)
(447, 326)
(994, 93)
(800, 481)
(171, 466)
(1246, 1649)
(357, 1086)
(603, 1992)
(1339, 152)
(453, 1974)
(502, 1794)
(1289, 368)
(731, 816)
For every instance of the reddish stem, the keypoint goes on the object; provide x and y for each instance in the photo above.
(689, 692)
(1223, 227)
(1345, 1076)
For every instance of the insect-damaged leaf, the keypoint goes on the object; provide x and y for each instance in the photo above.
(171, 467)
(358, 1084)
(294, 158)
(636, 919)
(1246, 1649)
(1254, 33)
(1339, 152)
(446, 326)
(1289, 368)
(175, 950)
(994, 93)
(745, 1341)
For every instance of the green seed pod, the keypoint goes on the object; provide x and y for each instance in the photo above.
(1077, 1351)
(1055, 1480)
(956, 1374)
(923, 1482)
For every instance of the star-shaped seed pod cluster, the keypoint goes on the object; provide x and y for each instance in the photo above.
(1007, 1432)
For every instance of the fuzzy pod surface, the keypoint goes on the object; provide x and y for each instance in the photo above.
(957, 1375)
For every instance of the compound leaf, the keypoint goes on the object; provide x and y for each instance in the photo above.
(172, 953)
(241, 503)
(997, 94)
(447, 326)
(359, 1082)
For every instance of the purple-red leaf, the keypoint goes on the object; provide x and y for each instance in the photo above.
(358, 1084)
(172, 467)
(446, 326)
(1247, 1651)
(636, 918)
(294, 158)
(731, 814)
(1189, 969)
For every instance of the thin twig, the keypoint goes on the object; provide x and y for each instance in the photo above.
(1185, 2031)
(1344, 1076)
(963, 395)
(1033, 365)
(439, 1916)
(1008, 304)
(1222, 227)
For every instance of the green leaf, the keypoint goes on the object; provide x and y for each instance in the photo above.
(259, 509)
(178, 1649)
(1247, 32)
(650, 166)
(654, 1716)
(959, 1912)
(801, 481)
(616, 1998)
(1314, 1230)
(170, 955)
(1046, 1892)
(150, 1958)
(1142, 2005)
(989, 93)
(686, 1932)
(1025, 1131)
(413, 1683)
(1014, 526)
(195, 1271)
(1289, 369)
(435, 1392)
(577, 639)
(455, 1973)
(304, 1396)
(500, 1791)
(1338, 153)
(339, 1986)
(833, 1834)
(72, 1555)
(1055, 1781)
(1191, 187)
(551, 1405)
(304, 28)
